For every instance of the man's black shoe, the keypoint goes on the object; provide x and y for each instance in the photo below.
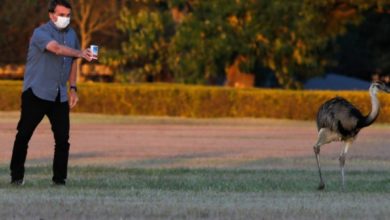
(19, 182)
(59, 183)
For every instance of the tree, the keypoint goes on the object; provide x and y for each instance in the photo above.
(16, 28)
(363, 50)
(94, 16)
(98, 16)
(145, 51)
(287, 37)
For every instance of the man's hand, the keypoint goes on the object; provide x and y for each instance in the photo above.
(87, 55)
(73, 98)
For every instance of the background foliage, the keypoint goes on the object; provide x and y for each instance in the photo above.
(282, 43)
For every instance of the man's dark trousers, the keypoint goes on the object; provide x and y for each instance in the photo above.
(33, 109)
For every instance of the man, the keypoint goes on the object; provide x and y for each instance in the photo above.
(51, 62)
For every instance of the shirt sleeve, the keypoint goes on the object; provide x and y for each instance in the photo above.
(41, 38)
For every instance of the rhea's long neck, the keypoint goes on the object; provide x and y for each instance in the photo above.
(371, 117)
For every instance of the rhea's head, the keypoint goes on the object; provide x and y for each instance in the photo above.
(379, 86)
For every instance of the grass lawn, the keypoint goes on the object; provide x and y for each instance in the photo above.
(125, 193)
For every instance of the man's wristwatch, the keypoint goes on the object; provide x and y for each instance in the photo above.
(73, 87)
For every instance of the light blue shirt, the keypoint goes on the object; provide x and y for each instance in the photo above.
(47, 73)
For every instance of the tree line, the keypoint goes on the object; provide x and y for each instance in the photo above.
(277, 42)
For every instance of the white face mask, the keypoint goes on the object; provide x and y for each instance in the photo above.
(62, 22)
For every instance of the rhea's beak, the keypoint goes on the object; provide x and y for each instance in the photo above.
(385, 87)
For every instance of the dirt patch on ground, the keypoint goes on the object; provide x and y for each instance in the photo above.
(165, 142)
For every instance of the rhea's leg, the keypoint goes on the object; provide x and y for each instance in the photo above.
(324, 136)
(342, 161)
(321, 186)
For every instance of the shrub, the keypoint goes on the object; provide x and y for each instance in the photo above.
(10, 95)
(200, 101)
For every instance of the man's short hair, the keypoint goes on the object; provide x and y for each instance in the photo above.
(53, 4)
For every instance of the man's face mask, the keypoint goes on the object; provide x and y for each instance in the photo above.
(62, 22)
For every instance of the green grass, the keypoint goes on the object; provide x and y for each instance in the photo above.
(115, 193)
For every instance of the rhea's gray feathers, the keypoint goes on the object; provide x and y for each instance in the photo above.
(340, 116)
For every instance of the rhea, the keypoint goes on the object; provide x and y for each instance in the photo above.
(339, 120)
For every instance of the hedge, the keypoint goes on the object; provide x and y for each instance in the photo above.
(200, 101)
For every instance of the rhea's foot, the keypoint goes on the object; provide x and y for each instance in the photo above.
(321, 186)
